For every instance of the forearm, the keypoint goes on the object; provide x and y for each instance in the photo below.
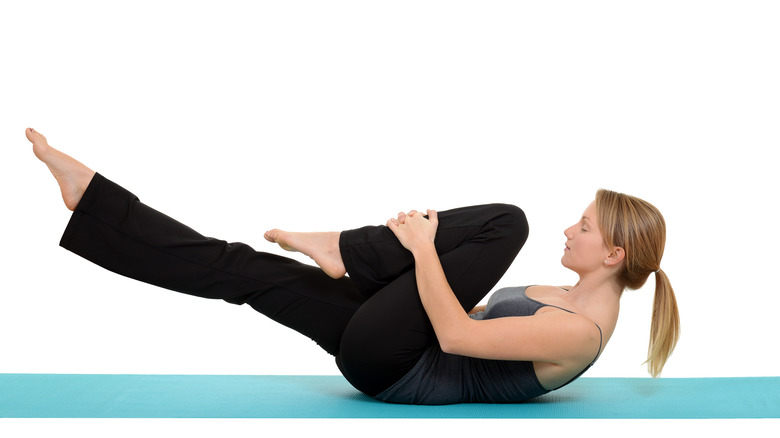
(444, 311)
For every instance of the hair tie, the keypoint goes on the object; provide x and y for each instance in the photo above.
(656, 271)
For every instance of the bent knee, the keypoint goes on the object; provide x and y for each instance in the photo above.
(514, 218)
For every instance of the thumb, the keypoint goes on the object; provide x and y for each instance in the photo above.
(433, 217)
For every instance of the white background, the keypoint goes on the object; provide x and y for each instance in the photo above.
(237, 117)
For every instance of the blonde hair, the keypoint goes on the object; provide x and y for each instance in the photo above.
(639, 228)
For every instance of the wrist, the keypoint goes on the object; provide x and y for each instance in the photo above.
(423, 249)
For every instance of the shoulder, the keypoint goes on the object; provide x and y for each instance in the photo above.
(580, 336)
(571, 323)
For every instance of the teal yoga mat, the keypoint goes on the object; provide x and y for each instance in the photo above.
(224, 396)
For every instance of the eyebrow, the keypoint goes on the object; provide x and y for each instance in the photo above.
(585, 218)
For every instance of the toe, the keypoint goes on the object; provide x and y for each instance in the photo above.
(34, 136)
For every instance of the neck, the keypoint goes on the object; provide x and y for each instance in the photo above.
(593, 289)
(599, 299)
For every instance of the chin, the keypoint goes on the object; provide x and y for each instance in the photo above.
(568, 265)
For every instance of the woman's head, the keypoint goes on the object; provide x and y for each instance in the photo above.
(633, 234)
(638, 228)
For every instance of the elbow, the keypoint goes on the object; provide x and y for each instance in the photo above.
(446, 346)
(449, 347)
(452, 342)
(456, 346)
(453, 333)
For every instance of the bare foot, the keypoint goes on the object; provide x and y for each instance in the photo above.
(323, 248)
(72, 176)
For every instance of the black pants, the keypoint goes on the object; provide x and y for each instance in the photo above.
(372, 320)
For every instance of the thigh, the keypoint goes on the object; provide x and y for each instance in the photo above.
(374, 257)
(386, 337)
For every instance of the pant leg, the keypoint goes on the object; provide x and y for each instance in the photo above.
(389, 333)
(113, 229)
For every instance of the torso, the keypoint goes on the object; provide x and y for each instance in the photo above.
(551, 375)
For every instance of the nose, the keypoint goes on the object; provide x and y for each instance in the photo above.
(567, 232)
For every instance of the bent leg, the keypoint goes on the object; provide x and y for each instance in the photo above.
(113, 229)
(374, 257)
(391, 331)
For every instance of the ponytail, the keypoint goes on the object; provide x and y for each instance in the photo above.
(665, 325)
(639, 228)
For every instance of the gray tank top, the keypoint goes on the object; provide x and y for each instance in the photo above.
(442, 378)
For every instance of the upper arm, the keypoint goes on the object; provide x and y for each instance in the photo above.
(554, 337)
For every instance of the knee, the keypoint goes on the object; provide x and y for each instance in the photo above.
(513, 219)
(514, 213)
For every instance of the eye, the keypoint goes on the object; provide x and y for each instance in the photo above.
(584, 230)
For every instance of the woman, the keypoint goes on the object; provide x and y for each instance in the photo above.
(398, 324)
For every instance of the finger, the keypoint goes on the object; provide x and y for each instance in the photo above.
(392, 224)
(412, 213)
(401, 217)
(433, 217)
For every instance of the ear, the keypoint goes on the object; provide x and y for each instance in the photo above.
(615, 257)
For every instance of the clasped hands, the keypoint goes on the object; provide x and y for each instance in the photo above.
(414, 230)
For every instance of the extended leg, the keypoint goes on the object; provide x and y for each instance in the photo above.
(113, 229)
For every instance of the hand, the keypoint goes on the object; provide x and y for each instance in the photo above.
(414, 230)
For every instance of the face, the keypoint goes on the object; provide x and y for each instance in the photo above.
(585, 249)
